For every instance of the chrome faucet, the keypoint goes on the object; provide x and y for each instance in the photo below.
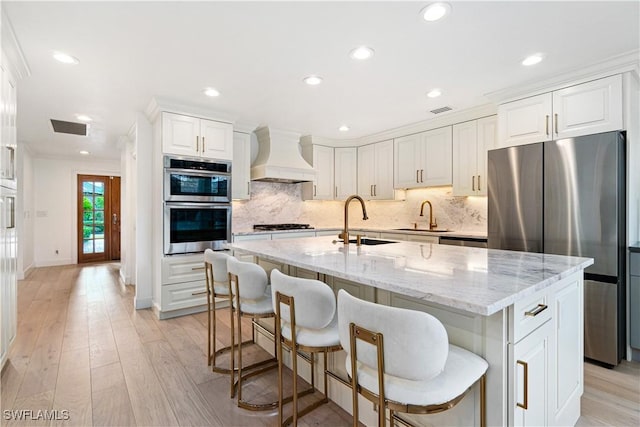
(432, 223)
(345, 232)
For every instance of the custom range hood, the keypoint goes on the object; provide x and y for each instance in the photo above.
(279, 158)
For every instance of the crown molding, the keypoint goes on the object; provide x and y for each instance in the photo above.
(12, 54)
(157, 105)
(625, 62)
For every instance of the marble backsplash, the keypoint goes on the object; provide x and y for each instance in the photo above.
(273, 203)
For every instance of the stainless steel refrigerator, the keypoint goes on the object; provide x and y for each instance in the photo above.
(568, 197)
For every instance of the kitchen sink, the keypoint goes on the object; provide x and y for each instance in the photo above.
(365, 241)
(437, 230)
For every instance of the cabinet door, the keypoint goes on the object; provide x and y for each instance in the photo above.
(216, 140)
(383, 171)
(241, 167)
(634, 315)
(436, 166)
(588, 108)
(346, 172)
(531, 378)
(323, 165)
(487, 134)
(180, 134)
(525, 121)
(366, 177)
(407, 161)
(465, 155)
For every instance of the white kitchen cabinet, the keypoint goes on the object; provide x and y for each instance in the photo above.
(423, 159)
(346, 172)
(321, 158)
(587, 108)
(423, 238)
(241, 167)
(634, 300)
(375, 171)
(471, 142)
(195, 137)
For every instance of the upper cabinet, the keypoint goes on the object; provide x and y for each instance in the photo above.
(471, 141)
(423, 159)
(191, 136)
(241, 167)
(583, 109)
(336, 172)
(375, 171)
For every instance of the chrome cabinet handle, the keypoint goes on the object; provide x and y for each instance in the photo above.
(314, 190)
(371, 190)
(199, 293)
(473, 183)
(375, 189)
(197, 143)
(539, 309)
(336, 193)
(421, 175)
(556, 122)
(203, 144)
(417, 175)
(197, 268)
(525, 366)
(479, 183)
(248, 187)
(546, 126)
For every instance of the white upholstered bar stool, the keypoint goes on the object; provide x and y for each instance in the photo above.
(218, 286)
(251, 298)
(307, 307)
(401, 360)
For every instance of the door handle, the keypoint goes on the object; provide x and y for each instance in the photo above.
(546, 126)
(114, 218)
(11, 200)
(555, 122)
(197, 143)
(525, 404)
(203, 144)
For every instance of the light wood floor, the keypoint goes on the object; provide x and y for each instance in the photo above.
(82, 347)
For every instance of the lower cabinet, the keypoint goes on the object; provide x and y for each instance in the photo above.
(634, 300)
(183, 285)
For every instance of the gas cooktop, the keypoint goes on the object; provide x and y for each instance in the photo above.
(272, 227)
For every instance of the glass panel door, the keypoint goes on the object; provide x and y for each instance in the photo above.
(93, 207)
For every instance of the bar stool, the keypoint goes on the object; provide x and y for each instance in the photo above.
(307, 307)
(218, 286)
(419, 372)
(251, 298)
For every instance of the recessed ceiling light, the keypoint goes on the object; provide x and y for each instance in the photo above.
(312, 80)
(211, 92)
(532, 59)
(84, 153)
(65, 58)
(83, 118)
(343, 128)
(361, 53)
(434, 93)
(435, 11)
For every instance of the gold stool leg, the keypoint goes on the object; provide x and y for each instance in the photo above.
(483, 400)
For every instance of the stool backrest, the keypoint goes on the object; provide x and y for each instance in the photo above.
(252, 279)
(416, 345)
(218, 262)
(315, 302)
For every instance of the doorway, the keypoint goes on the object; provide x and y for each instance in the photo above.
(98, 218)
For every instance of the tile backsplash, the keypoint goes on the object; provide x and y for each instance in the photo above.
(272, 203)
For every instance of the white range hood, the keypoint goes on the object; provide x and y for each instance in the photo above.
(279, 158)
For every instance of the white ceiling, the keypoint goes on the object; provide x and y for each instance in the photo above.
(256, 54)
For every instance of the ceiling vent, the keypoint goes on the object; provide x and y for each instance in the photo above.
(441, 110)
(72, 128)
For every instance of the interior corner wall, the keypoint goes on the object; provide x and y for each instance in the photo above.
(128, 240)
(55, 206)
(25, 212)
(633, 159)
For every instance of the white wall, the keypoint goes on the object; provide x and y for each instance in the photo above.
(25, 212)
(127, 224)
(55, 206)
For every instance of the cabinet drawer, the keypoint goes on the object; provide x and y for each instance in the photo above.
(423, 239)
(530, 313)
(293, 235)
(180, 295)
(182, 269)
(634, 263)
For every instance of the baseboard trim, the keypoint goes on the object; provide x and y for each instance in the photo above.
(55, 263)
(26, 272)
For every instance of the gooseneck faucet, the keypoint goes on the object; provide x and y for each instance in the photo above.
(432, 223)
(345, 232)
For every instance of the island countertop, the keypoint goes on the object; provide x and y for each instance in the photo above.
(476, 280)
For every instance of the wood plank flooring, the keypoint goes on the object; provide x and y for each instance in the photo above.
(81, 347)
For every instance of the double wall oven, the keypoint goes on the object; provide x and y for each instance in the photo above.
(197, 204)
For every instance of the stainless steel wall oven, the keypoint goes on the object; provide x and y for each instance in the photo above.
(197, 205)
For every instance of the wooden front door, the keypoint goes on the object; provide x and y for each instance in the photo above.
(98, 218)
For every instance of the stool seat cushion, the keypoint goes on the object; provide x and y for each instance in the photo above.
(462, 369)
(256, 306)
(325, 337)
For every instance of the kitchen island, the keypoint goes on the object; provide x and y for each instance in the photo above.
(521, 311)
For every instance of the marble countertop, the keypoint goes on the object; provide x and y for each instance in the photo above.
(459, 234)
(476, 280)
(635, 247)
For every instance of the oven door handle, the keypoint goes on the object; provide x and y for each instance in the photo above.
(196, 172)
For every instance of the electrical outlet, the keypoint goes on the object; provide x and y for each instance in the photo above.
(56, 252)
